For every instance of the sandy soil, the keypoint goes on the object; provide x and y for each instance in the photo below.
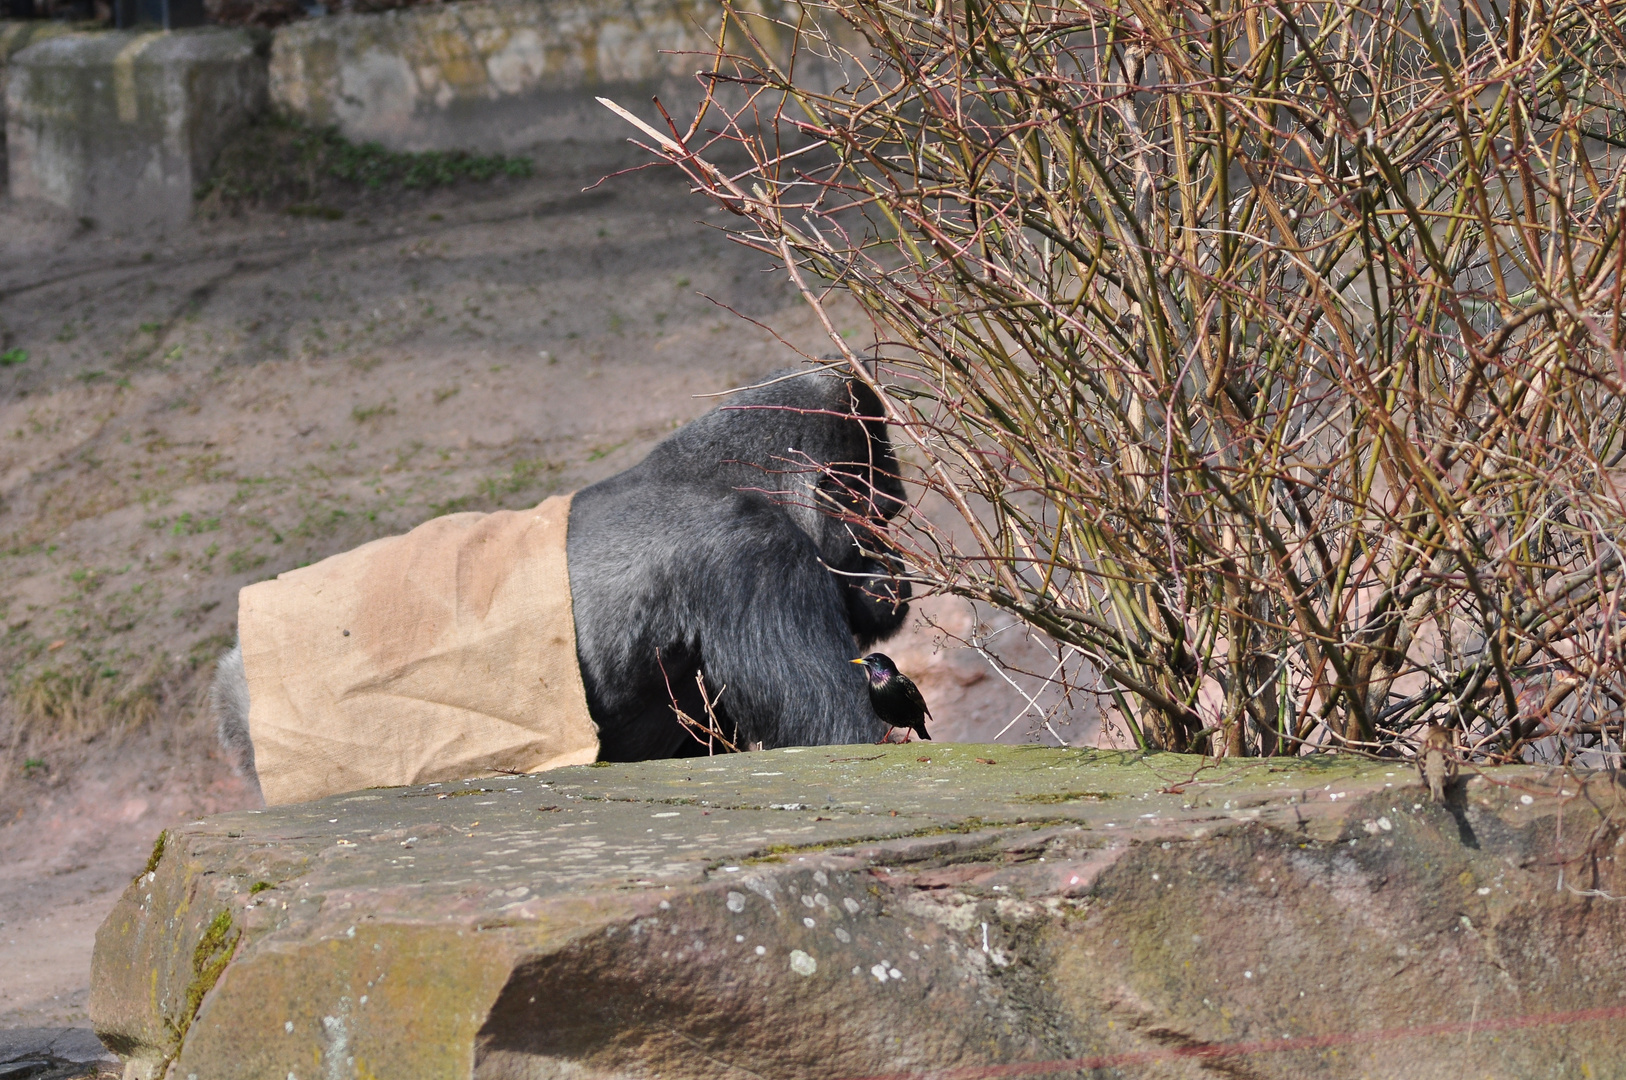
(204, 412)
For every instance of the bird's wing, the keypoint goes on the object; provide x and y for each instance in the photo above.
(912, 693)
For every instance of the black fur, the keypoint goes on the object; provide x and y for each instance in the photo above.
(725, 551)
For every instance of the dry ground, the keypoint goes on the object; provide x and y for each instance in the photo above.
(199, 413)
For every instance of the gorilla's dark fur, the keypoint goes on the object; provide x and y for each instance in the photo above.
(717, 550)
(736, 548)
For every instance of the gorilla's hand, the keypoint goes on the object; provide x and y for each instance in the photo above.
(877, 603)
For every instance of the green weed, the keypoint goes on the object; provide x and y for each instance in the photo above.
(521, 475)
(187, 525)
(282, 158)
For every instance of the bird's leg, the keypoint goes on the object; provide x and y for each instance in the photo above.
(887, 737)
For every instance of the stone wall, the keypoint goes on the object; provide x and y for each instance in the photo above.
(498, 75)
(121, 127)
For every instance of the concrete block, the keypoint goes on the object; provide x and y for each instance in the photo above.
(499, 75)
(122, 127)
(18, 34)
(15, 36)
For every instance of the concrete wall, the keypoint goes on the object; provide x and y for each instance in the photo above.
(122, 127)
(498, 75)
(15, 36)
(18, 34)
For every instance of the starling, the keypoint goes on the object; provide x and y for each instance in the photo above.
(1436, 760)
(896, 699)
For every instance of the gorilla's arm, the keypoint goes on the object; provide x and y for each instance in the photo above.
(716, 580)
(784, 648)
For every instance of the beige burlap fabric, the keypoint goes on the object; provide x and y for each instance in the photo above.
(445, 653)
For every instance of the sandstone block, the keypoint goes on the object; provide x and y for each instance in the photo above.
(122, 127)
(881, 912)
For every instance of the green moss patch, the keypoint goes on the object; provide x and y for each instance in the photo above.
(156, 857)
(209, 958)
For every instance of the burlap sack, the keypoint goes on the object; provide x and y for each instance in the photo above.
(445, 653)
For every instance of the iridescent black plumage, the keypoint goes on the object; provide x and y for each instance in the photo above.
(895, 697)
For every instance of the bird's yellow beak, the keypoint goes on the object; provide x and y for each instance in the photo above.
(859, 661)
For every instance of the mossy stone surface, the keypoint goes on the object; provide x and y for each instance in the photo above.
(867, 911)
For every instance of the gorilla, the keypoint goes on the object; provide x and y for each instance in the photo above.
(746, 549)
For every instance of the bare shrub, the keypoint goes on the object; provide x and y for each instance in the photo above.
(1270, 352)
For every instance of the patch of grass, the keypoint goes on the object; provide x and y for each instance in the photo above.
(187, 525)
(206, 651)
(280, 159)
(243, 560)
(79, 703)
(13, 357)
(361, 415)
(406, 453)
(373, 166)
(451, 506)
(316, 525)
(521, 475)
